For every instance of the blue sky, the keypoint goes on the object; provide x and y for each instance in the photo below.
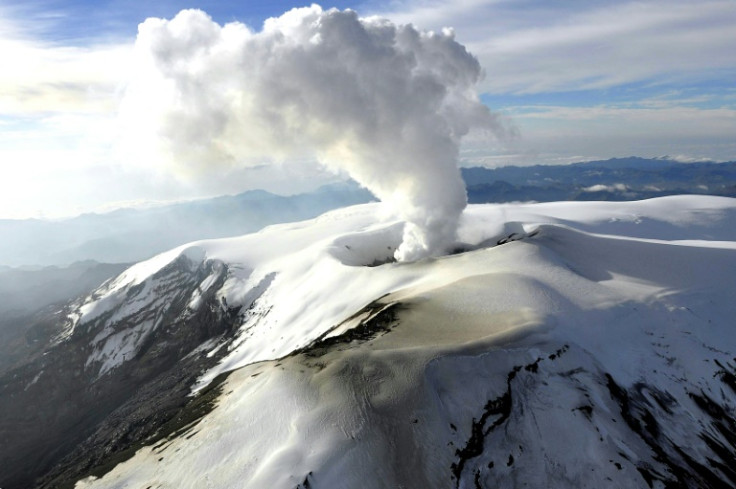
(577, 81)
(83, 22)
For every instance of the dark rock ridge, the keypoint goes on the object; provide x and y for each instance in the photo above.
(62, 419)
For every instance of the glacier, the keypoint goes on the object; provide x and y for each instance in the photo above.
(560, 345)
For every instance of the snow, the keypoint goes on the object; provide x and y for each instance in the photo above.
(111, 294)
(126, 310)
(34, 380)
(119, 346)
(631, 288)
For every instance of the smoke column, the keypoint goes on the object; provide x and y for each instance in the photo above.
(387, 104)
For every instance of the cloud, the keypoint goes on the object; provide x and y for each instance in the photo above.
(550, 134)
(386, 103)
(537, 46)
(42, 78)
(616, 187)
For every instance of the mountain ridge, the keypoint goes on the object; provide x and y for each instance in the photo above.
(556, 328)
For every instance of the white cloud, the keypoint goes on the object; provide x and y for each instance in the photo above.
(58, 103)
(57, 111)
(58, 108)
(561, 134)
(43, 78)
(616, 187)
(535, 46)
(386, 104)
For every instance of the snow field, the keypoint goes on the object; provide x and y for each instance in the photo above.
(531, 334)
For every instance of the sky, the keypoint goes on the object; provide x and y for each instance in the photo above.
(570, 80)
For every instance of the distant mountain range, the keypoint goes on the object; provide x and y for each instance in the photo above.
(615, 179)
(130, 235)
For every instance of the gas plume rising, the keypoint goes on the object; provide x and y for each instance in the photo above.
(387, 104)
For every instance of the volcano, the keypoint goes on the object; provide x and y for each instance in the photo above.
(575, 344)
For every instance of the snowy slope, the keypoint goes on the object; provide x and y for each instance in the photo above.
(564, 345)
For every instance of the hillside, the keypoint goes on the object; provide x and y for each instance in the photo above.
(561, 345)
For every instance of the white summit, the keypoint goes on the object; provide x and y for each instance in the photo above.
(563, 345)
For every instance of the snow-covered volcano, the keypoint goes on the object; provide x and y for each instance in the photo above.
(562, 345)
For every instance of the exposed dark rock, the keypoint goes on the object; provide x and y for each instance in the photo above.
(380, 318)
(305, 484)
(727, 374)
(83, 423)
(499, 407)
(682, 470)
(587, 410)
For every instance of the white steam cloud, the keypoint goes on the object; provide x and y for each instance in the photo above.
(387, 104)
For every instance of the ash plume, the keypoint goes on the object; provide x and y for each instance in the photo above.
(388, 104)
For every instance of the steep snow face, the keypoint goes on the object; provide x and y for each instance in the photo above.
(570, 344)
(125, 311)
(281, 265)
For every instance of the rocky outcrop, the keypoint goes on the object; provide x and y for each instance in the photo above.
(69, 412)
